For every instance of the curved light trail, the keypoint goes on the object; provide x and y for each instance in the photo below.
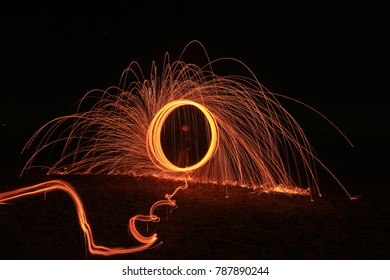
(155, 150)
(146, 241)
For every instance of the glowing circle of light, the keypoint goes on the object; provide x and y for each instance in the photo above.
(153, 138)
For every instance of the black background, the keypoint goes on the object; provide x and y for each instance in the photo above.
(331, 57)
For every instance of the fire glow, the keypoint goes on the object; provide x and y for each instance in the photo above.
(251, 140)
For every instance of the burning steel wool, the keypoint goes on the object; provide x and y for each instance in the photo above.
(185, 123)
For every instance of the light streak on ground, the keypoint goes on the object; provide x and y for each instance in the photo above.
(146, 241)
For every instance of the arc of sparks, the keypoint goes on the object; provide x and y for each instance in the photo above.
(146, 241)
(255, 141)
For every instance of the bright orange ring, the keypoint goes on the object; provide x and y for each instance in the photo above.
(153, 137)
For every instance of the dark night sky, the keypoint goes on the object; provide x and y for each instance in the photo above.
(330, 57)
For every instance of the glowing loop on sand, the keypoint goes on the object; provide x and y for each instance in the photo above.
(153, 138)
(146, 241)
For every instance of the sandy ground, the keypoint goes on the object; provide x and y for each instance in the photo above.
(205, 225)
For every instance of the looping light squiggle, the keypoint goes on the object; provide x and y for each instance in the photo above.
(146, 241)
